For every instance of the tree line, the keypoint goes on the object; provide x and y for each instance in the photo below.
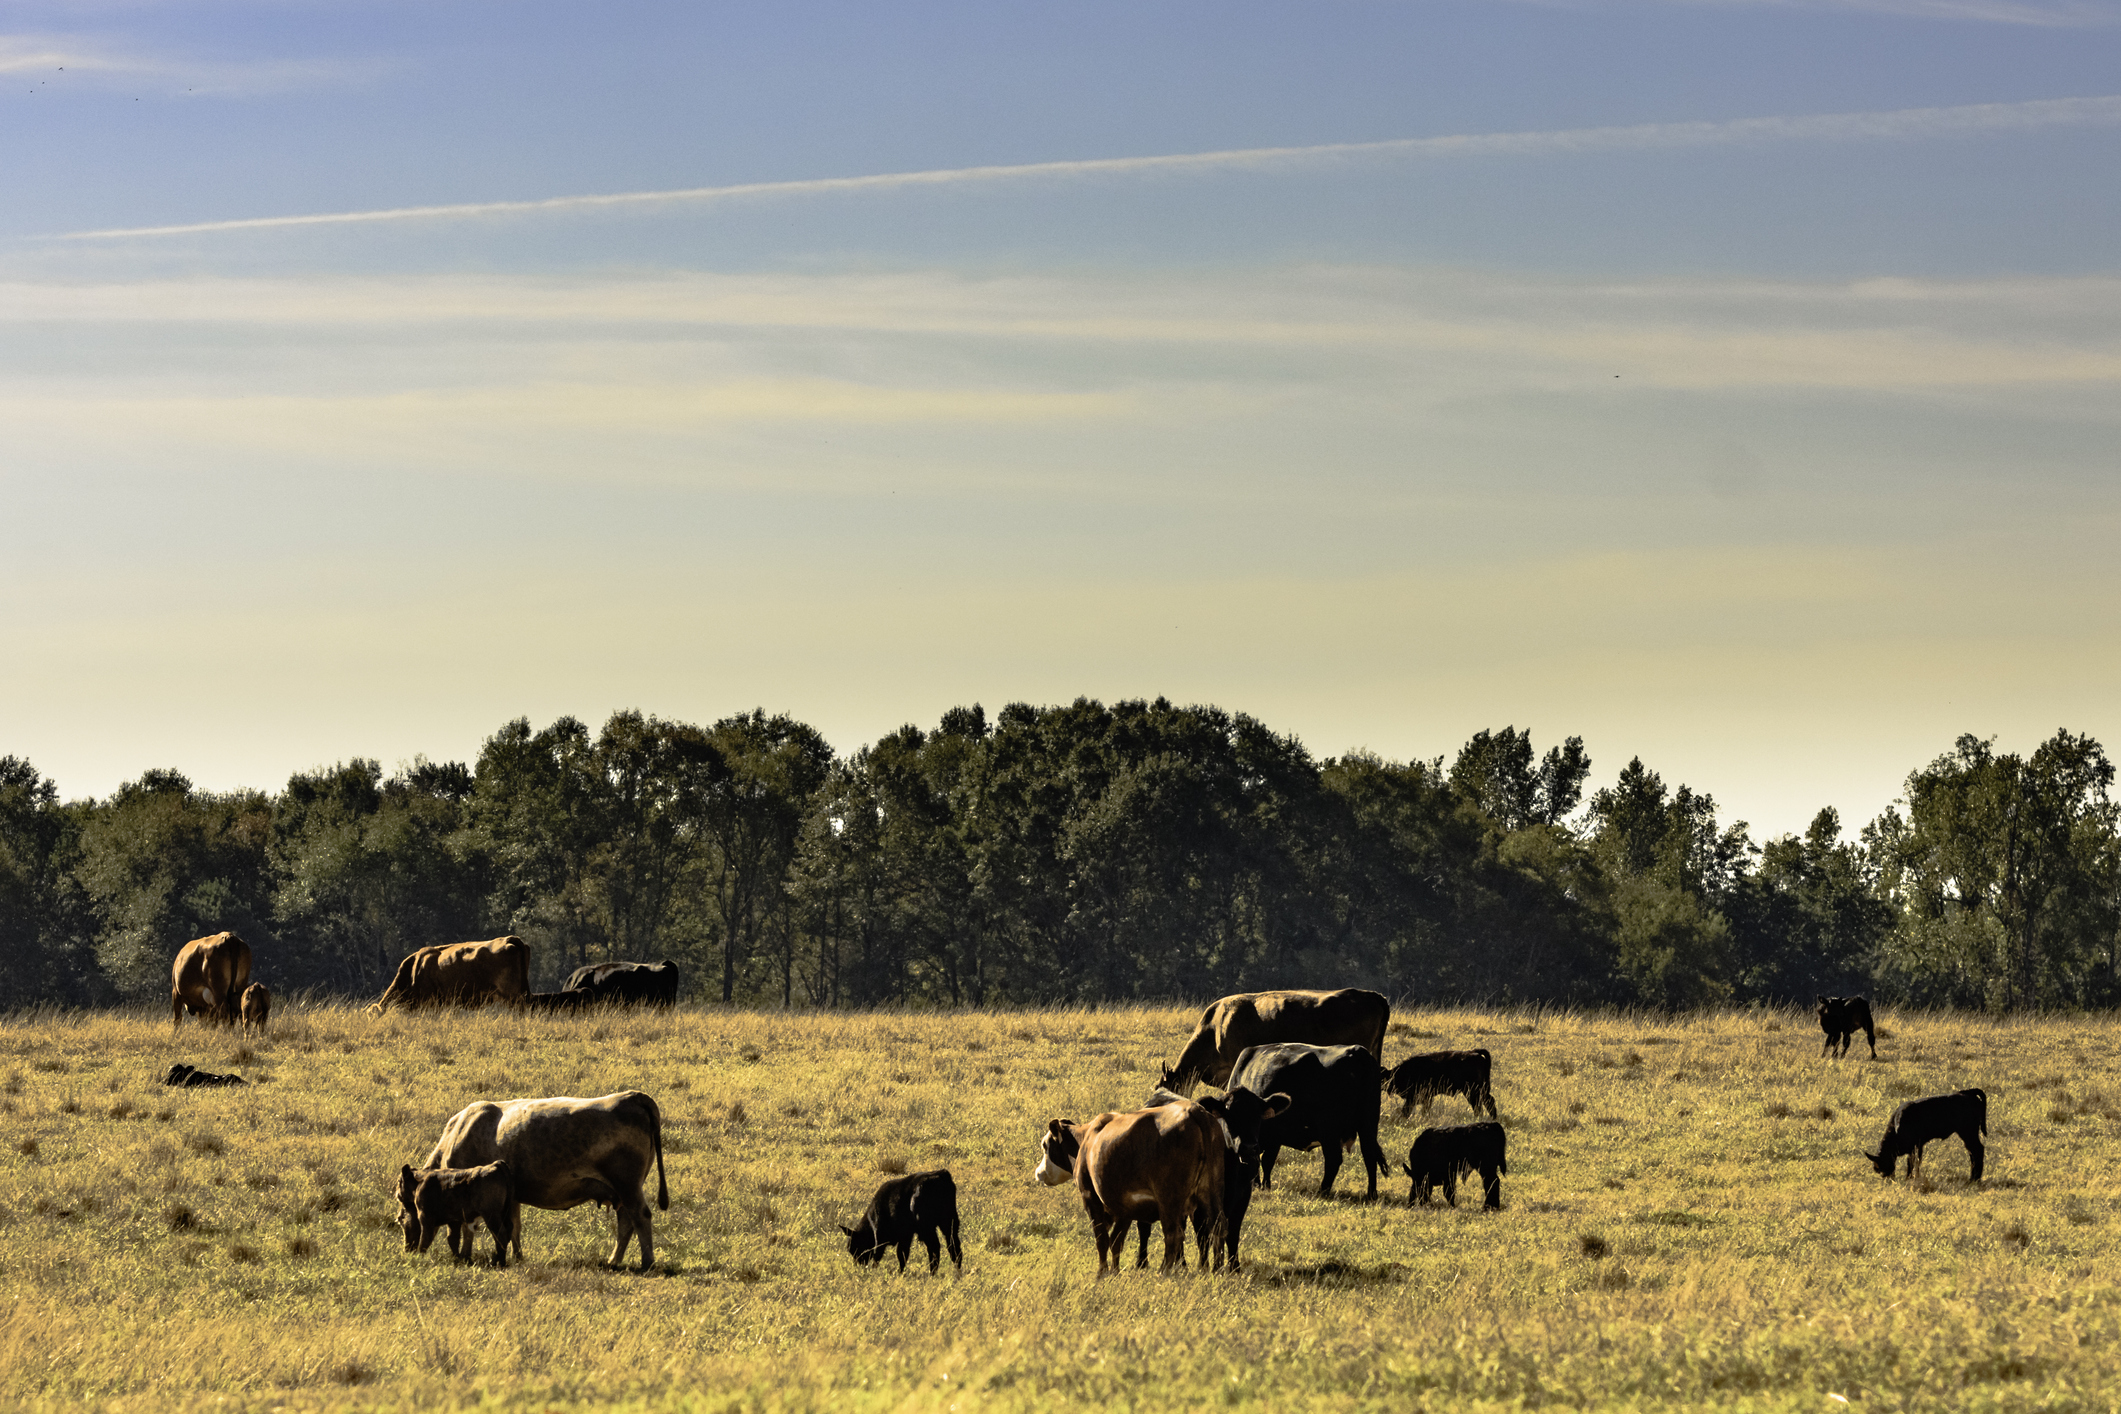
(1079, 853)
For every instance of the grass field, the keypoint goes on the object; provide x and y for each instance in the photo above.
(1688, 1221)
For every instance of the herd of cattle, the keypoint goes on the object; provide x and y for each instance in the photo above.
(1297, 1070)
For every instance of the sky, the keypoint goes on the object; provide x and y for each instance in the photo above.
(1731, 383)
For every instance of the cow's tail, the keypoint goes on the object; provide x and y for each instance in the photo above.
(655, 1137)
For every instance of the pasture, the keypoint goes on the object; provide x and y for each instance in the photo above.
(1688, 1221)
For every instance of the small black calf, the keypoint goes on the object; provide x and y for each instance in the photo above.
(1916, 1123)
(184, 1075)
(918, 1205)
(1420, 1079)
(1439, 1155)
(1841, 1018)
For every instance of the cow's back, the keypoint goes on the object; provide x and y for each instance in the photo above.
(565, 1150)
(1350, 1016)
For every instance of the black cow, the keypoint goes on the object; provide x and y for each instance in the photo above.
(1442, 1153)
(628, 983)
(1841, 1018)
(1333, 1102)
(917, 1205)
(189, 1078)
(1462, 1073)
(1917, 1122)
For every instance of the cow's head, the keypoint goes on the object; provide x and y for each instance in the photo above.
(1178, 1081)
(1242, 1114)
(862, 1244)
(1883, 1160)
(408, 1215)
(1057, 1149)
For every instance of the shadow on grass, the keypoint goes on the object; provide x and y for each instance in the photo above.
(1332, 1274)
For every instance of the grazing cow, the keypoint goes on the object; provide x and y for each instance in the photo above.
(207, 979)
(257, 1008)
(1841, 1018)
(916, 1205)
(432, 1199)
(1334, 1094)
(1917, 1122)
(1162, 1164)
(190, 1079)
(1441, 1153)
(1347, 1017)
(628, 983)
(564, 1152)
(460, 974)
(558, 1001)
(1463, 1073)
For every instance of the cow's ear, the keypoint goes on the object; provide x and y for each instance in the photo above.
(1058, 1128)
(1276, 1103)
(405, 1174)
(845, 1231)
(1213, 1104)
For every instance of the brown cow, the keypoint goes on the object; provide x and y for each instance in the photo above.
(563, 1152)
(1164, 1164)
(460, 974)
(257, 1007)
(432, 1199)
(1349, 1017)
(208, 978)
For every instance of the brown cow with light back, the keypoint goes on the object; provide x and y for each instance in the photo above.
(460, 974)
(208, 978)
(1349, 1017)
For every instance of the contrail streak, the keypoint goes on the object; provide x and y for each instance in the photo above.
(1900, 123)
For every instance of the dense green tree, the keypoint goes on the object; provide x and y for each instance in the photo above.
(46, 932)
(1496, 771)
(1810, 920)
(1672, 871)
(752, 819)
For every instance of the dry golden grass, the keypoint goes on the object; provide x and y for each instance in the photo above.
(1689, 1222)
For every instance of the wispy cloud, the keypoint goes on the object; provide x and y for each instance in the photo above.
(100, 61)
(1898, 124)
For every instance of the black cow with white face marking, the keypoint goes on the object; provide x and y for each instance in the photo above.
(1841, 1018)
(1334, 1098)
(1916, 1123)
(918, 1205)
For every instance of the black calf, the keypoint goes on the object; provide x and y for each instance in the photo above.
(1420, 1079)
(1916, 1123)
(1841, 1018)
(918, 1205)
(184, 1075)
(1441, 1154)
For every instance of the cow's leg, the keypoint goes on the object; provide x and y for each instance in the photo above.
(1330, 1152)
(1491, 1181)
(1872, 1037)
(1173, 1217)
(1974, 1152)
(933, 1243)
(1487, 1097)
(905, 1250)
(1141, 1260)
(1450, 1185)
(957, 1252)
(622, 1220)
(515, 1226)
(1373, 1158)
(644, 1232)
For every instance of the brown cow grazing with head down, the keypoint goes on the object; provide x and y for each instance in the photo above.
(1349, 1017)
(257, 1007)
(432, 1199)
(1163, 1164)
(563, 1152)
(208, 978)
(460, 974)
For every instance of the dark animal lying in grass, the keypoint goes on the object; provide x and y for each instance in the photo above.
(1420, 1079)
(181, 1074)
(559, 1001)
(432, 1199)
(919, 1205)
(1439, 1155)
(1841, 1018)
(1916, 1123)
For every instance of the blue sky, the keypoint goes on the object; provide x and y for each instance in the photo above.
(1732, 384)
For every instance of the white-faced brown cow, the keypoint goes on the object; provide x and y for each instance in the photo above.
(1164, 1164)
(208, 979)
(1349, 1017)
(563, 1152)
(257, 1008)
(460, 974)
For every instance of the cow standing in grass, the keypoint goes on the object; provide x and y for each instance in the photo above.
(1916, 1123)
(1841, 1018)
(432, 1199)
(1334, 1099)
(1441, 1154)
(1463, 1073)
(1347, 1017)
(918, 1205)
(207, 979)
(257, 1008)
